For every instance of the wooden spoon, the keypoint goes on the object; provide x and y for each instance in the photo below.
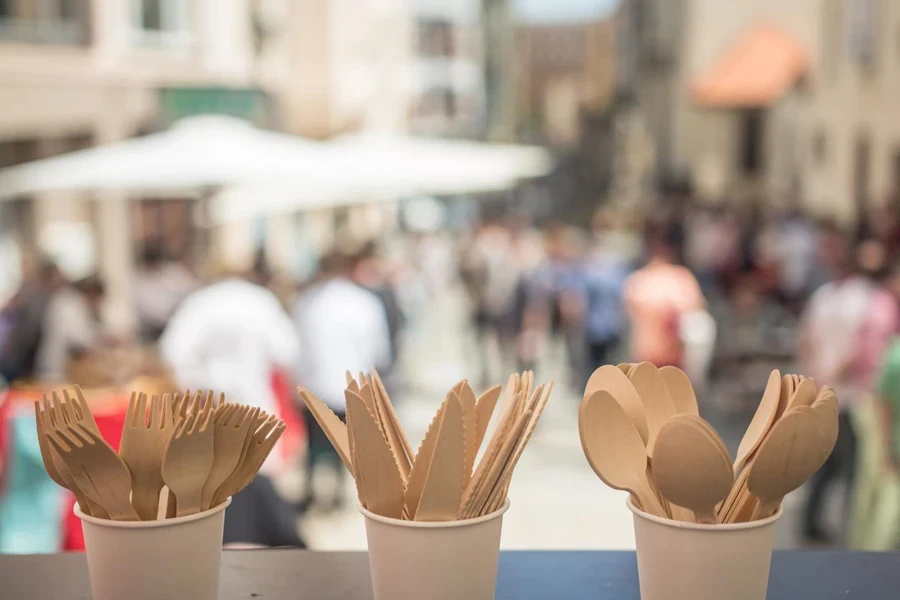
(787, 392)
(610, 379)
(680, 390)
(690, 468)
(614, 448)
(658, 404)
(762, 421)
(793, 451)
(804, 394)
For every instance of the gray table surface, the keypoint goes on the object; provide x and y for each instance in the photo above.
(300, 575)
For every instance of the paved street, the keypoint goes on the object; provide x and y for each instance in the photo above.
(557, 501)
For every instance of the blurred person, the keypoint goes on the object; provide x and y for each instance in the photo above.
(796, 257)
(604, 271)
(71, 326)
(25, 315)
(656, 297)
(554, 301)
(833, 349)
(756, 341)
(342, 327)
(492, 270)
(160, 286)
(370, 273)
(230, 337)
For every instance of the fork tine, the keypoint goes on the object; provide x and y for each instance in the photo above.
(198, 420)
(130, 420)
(48, 411)
(248, 423)
(58, 441)
(82, 402)
(82, 434)
(207, 420)
(155, 412)
(141, 416)
(58, 411)
(222, 399)
(260, 434)
(39, 417)
(168, 416)
(247, 416)
(72, 406)
(179, 427)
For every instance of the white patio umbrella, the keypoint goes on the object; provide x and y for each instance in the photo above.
(379, 168)
(196, 153)
(404, 164)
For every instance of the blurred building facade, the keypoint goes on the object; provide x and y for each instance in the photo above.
(564, 71)
(787, 100)
(349, 66)
(449, 79)
(75, 73)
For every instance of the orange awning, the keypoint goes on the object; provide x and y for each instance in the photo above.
(760, 66)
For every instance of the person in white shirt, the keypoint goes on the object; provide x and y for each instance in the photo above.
(231, 337)
(342, 327)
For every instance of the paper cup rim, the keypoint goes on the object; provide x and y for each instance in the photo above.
(719, 527)
(435, 524)
(150, 524)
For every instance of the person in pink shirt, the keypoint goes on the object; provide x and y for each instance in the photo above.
(656, 297)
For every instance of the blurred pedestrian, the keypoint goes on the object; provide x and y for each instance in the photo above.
(369, 272)
(230, 337)
(604, 271)
(342, 327)
(71, 326)
(160, 286)
(831, 328)
(656, 297)
(25, 318)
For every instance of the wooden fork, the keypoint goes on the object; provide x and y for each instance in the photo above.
(232, 424)
(187, 461)
(97, 469)
(142, 447)
(55, 466)
(260, 444)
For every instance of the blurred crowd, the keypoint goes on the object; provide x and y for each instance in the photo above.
(726, 292)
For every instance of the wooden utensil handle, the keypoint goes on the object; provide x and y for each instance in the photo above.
(188, 502)
(708, 518)
(650, 502)
(145, 498)
(764, 510)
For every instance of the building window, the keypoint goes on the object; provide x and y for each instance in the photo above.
(820, 147)
(436, 38)
(832, 37)
(864, 22)
(57, 22)
(752, 129)
(437, 104)
(161, 22)
(862, 163)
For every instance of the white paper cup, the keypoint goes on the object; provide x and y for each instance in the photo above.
(690, 561)
(448, 560)
(152, 560)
